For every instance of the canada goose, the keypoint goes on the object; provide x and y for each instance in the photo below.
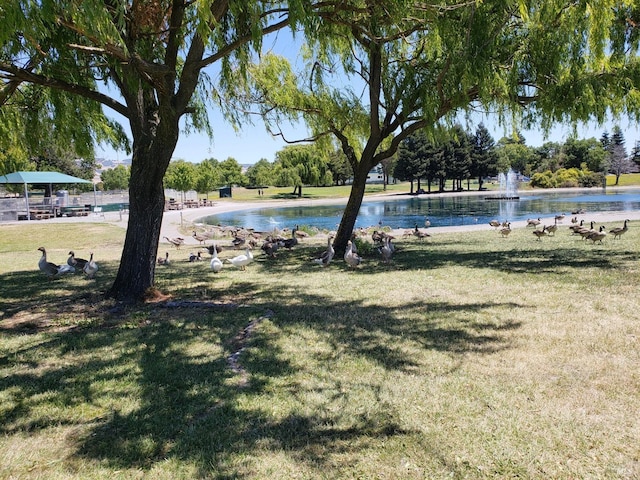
(386, 251)
(420, 234)
(270, 246)
(289, 243)
(165, 260)
(619, 231)
(586, 232)
(377, 237)
(212, 248)
(506, 230)
(48, 268)
(239, 241)
(533, 222)
(75, 262)
(560, 218)
(598, 236)
(580, 211)
(200, 238)
(494, 223)
(325, 258)
(540, 233)
(574, 220)
(176, 242)
(575, 228)
(352, 258)
(551, 229)
(216, 263)
(241, 261)
(299, 233)
(195, 257)
(91, 267)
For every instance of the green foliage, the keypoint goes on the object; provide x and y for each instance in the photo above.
(181, 176)
(116, 178)
(310, 165)
(566, 178)
(208, 177)
(231, 172)
(260, 174)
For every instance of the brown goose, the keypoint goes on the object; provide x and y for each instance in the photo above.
(325, 258)
(48, 268)
(176, 242)
(165, 260)
(619, 231)
(76, 262)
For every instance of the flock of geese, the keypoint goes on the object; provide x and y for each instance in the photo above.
(73, 265)
(577, 228)
(248, 239)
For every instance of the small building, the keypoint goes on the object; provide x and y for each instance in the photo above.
(224, 192)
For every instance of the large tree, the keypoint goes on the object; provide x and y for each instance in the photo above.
(143, 60)
(387, 69)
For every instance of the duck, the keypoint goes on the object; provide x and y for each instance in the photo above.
(48, 268)
(176, 242)
(352, 258)
(91, 267)
(165, 260)
(386, 250)
(619, 231)
(75, 262)
(325, 258)
(241, 261)
(216, 263)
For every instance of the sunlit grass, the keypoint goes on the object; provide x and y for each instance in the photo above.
(469, 356)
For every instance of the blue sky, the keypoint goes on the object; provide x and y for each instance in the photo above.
(254, 142)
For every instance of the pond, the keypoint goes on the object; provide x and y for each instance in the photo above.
(442, 211)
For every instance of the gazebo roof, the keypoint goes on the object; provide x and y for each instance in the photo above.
(40, 177)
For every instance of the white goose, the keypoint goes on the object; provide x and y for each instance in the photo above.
(51, 269)
(386, 250)
(352, 258)
(241, 261)
(216, 263)
(91, 267)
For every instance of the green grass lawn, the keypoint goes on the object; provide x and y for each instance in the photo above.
(469, 356)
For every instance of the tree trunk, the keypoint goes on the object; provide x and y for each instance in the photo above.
(350, 213)
(146, 207)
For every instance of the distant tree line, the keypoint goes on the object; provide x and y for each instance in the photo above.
(458, 156)
(452, 155)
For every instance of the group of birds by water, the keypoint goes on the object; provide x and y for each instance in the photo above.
(271, 243)
(577, 228)
(73, 265)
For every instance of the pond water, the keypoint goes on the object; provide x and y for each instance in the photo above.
(442, 211)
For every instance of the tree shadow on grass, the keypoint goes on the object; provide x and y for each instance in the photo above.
(161, 381)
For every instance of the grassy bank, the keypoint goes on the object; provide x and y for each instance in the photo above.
(470, 356)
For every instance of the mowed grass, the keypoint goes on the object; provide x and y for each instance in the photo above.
(469, 356)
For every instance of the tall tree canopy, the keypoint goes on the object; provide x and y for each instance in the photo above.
(387, 69)
(143, 60)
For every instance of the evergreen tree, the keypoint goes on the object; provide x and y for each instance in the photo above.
(484, 160)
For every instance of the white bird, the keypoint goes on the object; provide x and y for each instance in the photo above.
(241, 261)
(216, 263)
(91, 267)
(325, 258)
(352, 258)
